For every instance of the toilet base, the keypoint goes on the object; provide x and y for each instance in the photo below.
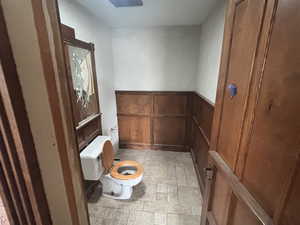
(115, 190)
(124, 195)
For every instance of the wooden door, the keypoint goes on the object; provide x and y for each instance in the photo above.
(246, 17)
(255, 140)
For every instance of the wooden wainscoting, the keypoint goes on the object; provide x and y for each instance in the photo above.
(154, 120)
(176, 121)
(201, 123)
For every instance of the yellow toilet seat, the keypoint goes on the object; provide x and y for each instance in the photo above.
(107, 157)
(115, 174)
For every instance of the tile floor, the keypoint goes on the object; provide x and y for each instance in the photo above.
(168, 195)
(3, 216)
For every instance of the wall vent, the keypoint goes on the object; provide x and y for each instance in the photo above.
(126, 3)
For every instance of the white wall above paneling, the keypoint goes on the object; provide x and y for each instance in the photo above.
(210, 52)
(156, 59)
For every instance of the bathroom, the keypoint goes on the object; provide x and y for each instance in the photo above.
(151, 70)
(153, 112)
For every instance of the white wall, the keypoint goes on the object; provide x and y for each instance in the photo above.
(169, 58)
(160, 58)
(210, 52)
(90, 29)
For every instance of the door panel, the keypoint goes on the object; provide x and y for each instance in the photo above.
(290, 215)
(245, 34)
(241, 214)
(220, 199)
(257, 131)
(274, 150)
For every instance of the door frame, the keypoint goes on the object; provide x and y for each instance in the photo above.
(21, 186)
(47, 25)
(47, 19)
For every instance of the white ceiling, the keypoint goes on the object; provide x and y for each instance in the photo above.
(152, 13)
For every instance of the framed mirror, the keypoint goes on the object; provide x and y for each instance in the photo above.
(81, 69)
(82, 83)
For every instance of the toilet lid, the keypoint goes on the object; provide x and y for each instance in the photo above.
(107, 155)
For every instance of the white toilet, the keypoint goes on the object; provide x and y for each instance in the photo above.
(97, 164)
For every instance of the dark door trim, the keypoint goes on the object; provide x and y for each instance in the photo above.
(47, 21)
(21, 186)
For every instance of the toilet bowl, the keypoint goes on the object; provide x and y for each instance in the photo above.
(127, 174)
(97, 164)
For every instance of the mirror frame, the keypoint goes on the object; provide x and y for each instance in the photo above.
(90, 127)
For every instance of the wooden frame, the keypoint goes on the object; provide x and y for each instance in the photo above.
(21, 185)
(60, 100)
(84, 135)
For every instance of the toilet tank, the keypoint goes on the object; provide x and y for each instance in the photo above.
(91, 158)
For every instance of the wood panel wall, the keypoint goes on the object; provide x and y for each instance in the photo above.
(201, 123)
(177, 121)
(154, 120)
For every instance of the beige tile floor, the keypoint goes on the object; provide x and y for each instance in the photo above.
(3, 216)
(168, 195)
